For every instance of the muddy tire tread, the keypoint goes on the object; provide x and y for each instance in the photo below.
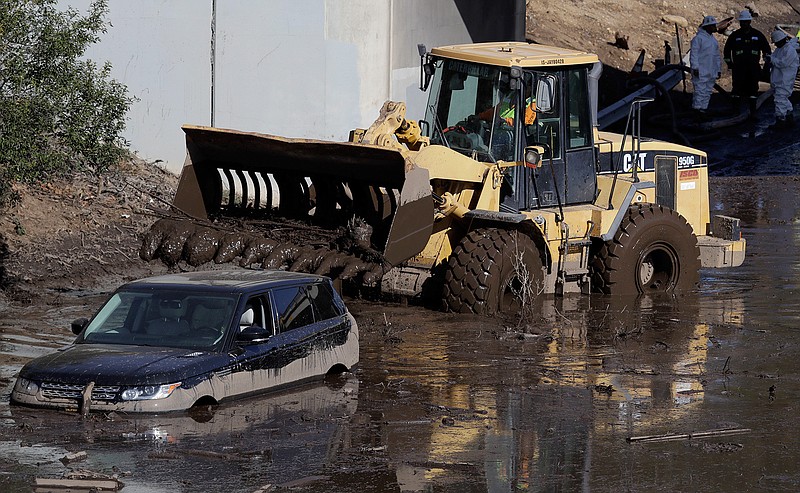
(611, 261)
(476, 268)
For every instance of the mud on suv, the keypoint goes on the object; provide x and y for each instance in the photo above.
(167, 343)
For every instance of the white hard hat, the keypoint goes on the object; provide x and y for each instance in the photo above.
(709, 20)
(778, 35)
(744, 15)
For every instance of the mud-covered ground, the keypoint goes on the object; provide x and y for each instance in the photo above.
(445, 402)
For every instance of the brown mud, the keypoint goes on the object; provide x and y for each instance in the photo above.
(343, 253)
(81, 234)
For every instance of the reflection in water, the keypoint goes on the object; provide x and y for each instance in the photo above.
(507, 412)
(503, 414)
(461, 404)
(253, 416)
(273, 438)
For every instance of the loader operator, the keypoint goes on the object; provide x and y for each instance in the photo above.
(742, 53)
(705, 62)
(502, 115)
(508, 111)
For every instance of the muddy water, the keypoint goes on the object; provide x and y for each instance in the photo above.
(545, 402)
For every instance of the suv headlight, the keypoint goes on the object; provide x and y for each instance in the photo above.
(27, 386)
(147, 392)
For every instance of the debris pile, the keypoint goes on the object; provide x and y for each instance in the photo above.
(344, 253)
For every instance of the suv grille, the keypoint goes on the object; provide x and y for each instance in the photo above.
(69, 391)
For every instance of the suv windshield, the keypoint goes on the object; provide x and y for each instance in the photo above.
(168, 318)
(471, 109)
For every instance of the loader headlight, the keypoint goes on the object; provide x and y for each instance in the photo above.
(533, 158)
(148, 392)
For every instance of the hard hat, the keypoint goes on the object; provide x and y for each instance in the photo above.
(744, 15)
(709, 20)
(778, 35)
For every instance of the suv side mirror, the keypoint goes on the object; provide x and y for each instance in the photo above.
(253, 335)
(78, 325)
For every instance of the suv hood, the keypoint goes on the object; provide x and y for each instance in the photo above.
(107, 364)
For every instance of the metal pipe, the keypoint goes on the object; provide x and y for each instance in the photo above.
(631, 123)
(680, 56)
(594, 77)
(520, 31)
(213, 59)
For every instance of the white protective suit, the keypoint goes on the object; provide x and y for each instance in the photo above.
(784, 71)
(705, 60)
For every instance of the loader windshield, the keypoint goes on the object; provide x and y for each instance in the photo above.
(471, 109)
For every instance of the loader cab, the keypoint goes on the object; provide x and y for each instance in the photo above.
(567, 173)
(474, 108)
(470, 110)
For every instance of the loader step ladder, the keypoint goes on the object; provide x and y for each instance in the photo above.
(573, 262)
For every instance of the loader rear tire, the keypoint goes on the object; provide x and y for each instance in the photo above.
(485, 272)
(654, 250)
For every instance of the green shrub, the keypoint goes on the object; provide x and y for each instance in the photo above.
(59, 112)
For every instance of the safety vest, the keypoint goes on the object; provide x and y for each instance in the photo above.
(508, 112)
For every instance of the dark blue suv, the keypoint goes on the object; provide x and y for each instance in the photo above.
(170, 342)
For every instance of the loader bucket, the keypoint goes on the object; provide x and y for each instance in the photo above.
(241, 174)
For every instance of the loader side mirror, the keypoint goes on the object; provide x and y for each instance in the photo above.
(533, 156)
(545, 94)
(516, 77)
(426, 68)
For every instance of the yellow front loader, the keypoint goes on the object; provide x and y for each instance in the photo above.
(504, 190)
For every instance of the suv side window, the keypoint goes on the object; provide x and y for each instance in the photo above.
(293, 307)
(261, 313)
(322, 298)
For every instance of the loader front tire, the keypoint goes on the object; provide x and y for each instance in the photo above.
(492, 270)
(654, 250)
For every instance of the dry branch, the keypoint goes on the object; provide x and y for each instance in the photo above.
(688, 436)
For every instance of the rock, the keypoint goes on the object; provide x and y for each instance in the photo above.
(153, 238)
(620, 41)
(74, 457)
(675, 19)
(171, 249)
(256, 251)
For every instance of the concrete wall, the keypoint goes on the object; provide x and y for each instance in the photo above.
(297, 68)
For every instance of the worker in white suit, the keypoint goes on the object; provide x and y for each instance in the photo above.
(784, 71)
(706, 63)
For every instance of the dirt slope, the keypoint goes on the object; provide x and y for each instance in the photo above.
(82, 233)
(591, 25)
